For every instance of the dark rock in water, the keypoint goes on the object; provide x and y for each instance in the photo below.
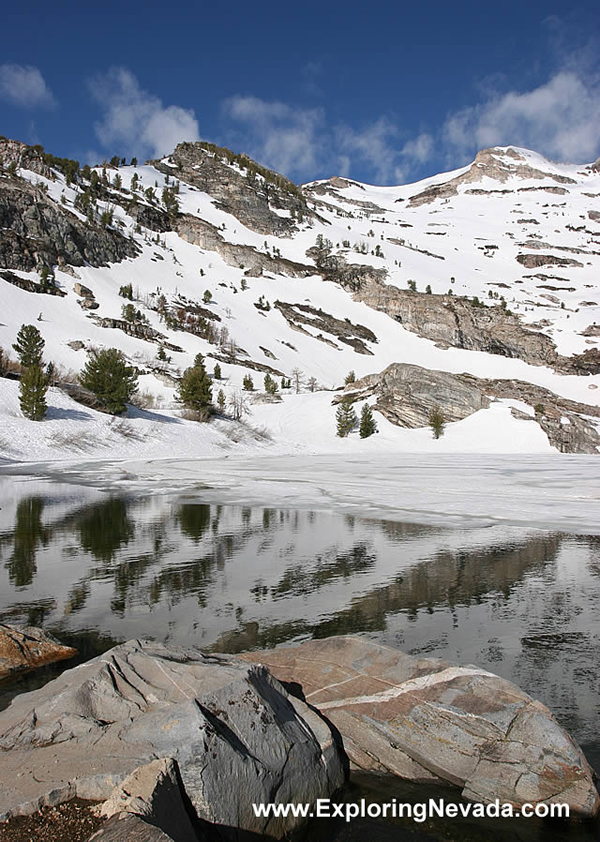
(237, 736)
(425, 719)
(26, 648)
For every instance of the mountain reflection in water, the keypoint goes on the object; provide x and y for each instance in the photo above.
(95, 569)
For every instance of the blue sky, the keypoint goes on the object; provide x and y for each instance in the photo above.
(382, 92)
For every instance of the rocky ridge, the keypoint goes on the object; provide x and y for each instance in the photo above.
(238, 186)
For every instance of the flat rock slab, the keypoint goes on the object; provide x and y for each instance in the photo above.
(427, 719)
(237, 737)
(26, 648)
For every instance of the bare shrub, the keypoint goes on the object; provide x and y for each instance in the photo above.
(8, 366)
(146, 400)
(125, 429)
(201, 415)
(238, 406)
(79, 442)
(262, 433)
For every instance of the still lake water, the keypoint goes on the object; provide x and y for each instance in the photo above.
(96, 568)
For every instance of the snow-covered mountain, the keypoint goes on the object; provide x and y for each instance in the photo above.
(491, 271)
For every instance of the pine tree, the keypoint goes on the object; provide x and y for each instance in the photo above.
(350, 378)
(46, 278)
(32, 393)
(108, 376)
(345, 417)
(271, 386)
(221, 401)
(29, 346)
(217, 372)
(248, 383)
(195, 388)
(367, 422)
(437, 422)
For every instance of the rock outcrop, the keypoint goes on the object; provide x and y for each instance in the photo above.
(351, 334)
(203, 234)
(27, 648)
(406, 394)
(426, 719)
(239, 186)
(237, 736)
(37, 231)
(451, 321)
(23, 156)
(454, 322)
(496, 163)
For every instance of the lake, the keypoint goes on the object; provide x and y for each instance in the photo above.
(96, 567)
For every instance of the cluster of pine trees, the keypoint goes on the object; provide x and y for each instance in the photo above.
(346, 420)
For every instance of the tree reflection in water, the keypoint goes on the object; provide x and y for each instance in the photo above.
(29, 533)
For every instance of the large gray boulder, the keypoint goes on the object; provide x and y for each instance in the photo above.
(425, 719)
(236, 734)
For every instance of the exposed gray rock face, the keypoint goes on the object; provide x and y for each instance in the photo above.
(451, 321)
(29, 647)
(139, 329)
(207, 236)
(532, 261)
(152, 792)
(427, 719)
(351, 334)
(150, 217)
(254, 201)
(407, 393)
(237, 737)
(26, 157)
(31, 286)
(37, 231)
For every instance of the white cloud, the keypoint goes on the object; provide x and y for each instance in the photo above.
(135, 121)
(419, 149)
(299, 143)
(24, 86)
(374, 145)
(290, 140)
(560, 119)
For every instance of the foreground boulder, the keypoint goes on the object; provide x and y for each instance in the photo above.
(127, 827)
(152, 792)
(425, 719)
(24, 649)
(237, 736)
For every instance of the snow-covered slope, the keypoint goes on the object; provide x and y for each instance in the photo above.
(476, 231)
